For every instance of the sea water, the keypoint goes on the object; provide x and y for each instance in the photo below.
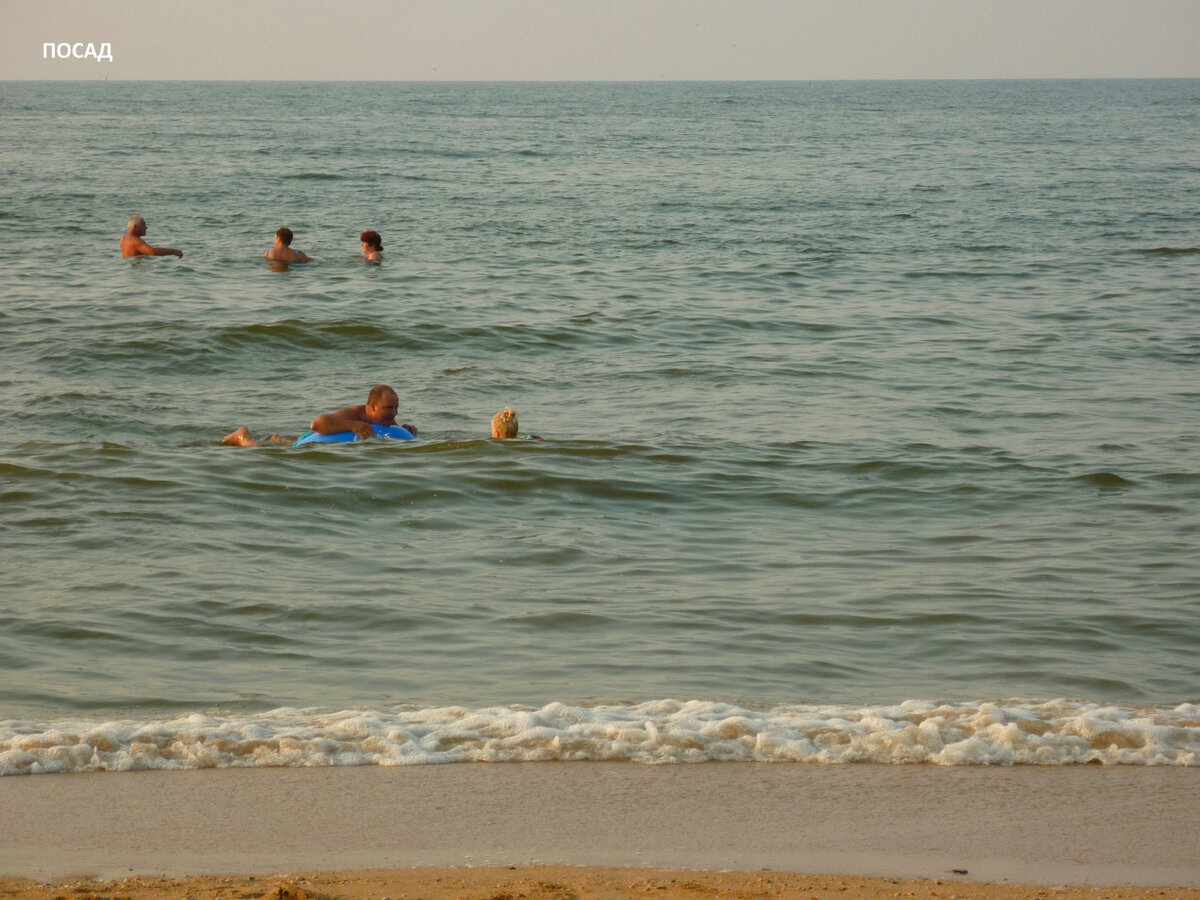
(870, 415)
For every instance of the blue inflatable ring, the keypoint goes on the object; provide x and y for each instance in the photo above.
(394, 432)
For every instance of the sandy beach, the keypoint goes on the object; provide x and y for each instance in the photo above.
(599, 830)
(558, 883)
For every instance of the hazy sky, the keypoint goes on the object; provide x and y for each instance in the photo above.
(557, 40)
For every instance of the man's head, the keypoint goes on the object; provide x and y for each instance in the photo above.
(285, 236)
(137, 225)
(382, 405)
(504, 424)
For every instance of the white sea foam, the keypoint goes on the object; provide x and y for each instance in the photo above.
(1057, 732)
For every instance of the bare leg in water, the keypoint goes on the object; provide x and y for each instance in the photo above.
(243, 438)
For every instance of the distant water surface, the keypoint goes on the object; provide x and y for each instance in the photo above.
(871, 419)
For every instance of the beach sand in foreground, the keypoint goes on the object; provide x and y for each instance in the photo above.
(1009, 826)
(560, 883)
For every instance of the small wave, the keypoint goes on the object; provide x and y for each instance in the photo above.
(1105, 480)
(304, 334)
(1171, 251)
(1058, 732)
(893, 471)
(980, 273)
(437, 152)
(64, 195)
(509, 338)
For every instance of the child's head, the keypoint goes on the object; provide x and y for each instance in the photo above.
(504, 424)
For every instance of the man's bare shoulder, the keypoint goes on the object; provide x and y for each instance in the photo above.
(132, 245)
(354, 413)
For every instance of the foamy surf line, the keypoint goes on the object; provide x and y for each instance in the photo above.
(1058, 732)
(1081, 824)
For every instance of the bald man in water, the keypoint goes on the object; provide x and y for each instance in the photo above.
(380, 409)
(133, 245)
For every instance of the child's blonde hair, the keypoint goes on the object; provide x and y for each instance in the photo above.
(504, 423)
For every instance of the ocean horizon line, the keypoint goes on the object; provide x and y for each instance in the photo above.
(610, 81)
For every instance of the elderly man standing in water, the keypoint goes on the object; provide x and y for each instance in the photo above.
(380, 409)
(133, 245)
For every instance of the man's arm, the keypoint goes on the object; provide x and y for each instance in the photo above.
(146, 250)
(348, 419)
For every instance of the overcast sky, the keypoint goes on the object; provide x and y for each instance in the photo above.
(568, 40)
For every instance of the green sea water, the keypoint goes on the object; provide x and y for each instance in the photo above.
(853, 394)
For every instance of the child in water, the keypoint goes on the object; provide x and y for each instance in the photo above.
(504, 425)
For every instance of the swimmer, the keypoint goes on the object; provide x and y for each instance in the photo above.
(282, 251)
(133, 245)
(504, 425)
(380, 409)
(372, 245)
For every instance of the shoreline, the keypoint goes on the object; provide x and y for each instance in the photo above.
(1083, 825)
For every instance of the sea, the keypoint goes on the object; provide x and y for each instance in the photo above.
(871, 419)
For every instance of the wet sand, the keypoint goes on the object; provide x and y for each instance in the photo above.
(1038, 826)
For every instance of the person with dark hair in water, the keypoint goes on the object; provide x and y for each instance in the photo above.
(372, 245)
(282, 251)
